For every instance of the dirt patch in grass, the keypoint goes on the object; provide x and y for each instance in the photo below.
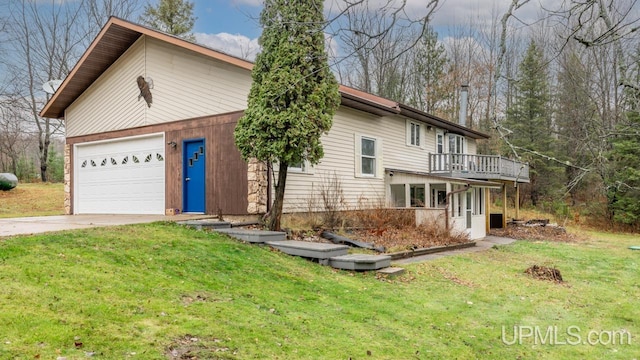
(191, 347)
(544, 273)
(548, 233)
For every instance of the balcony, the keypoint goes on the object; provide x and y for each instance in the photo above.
(485, 167)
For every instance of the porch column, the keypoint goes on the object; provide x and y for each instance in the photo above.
(517, 201)
(504, 205)
(487, 208)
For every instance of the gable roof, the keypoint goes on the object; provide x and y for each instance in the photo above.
(118, 35)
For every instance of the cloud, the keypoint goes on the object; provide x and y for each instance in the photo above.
(237, 45)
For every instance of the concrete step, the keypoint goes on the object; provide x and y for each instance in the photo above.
(255, 236)
(320, 251)
(206, 224)
(391, 271)
(360, 262)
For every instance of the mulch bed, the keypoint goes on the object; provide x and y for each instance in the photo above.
(408, 238)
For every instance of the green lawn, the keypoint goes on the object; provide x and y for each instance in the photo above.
(32, 199)
(142, 291)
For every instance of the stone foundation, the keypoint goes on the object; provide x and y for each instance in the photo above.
(257, 187)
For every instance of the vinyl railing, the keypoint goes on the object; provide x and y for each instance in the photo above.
(478, 167)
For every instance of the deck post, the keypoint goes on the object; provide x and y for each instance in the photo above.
(487, 209)
(517, 204)
(504, 205)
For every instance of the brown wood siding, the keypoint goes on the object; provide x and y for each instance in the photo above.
(226, 174)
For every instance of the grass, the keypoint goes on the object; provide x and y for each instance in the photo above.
(32, 199)
(146, 291)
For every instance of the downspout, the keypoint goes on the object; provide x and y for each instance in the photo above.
(447, 202)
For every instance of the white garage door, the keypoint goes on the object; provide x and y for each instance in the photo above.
(120, 177)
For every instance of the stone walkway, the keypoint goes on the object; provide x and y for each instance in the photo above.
(481, 245)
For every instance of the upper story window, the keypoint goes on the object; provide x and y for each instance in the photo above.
(456, 144)
(414, 134)
(368, 154)
(440, 142)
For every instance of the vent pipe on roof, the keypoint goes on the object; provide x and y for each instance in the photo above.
(464, 93)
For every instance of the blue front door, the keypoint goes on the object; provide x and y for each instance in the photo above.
(193, 181)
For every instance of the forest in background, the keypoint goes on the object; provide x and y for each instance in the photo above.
(561, 92)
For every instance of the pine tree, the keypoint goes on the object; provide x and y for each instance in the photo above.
(293, 95)
(575, 119)
(529, 120)
(623, 188)
(430, 60)
(171, 16)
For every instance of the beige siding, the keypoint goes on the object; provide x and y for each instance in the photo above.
(303, 190)
(471, 146)
(186, 85)
(111, 102)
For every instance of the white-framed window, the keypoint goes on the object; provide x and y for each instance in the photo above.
(438, 195)
(440, 142)
(456, 144)
(368, 156)
(398, 195)
(368, 159)
(414, 133)
(417, 195)
(300, 167)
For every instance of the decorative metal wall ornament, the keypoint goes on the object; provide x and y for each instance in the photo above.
(145, 86)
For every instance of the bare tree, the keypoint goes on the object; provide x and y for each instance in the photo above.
(13, 134)
(47, 39)
(376, 42)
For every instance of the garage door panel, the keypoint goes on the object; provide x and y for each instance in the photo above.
(121, 177)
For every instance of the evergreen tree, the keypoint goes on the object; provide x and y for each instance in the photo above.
(171, 16)
(623, 188)
(529, 120)
(575, 116)
(293, 95)
(429, 61)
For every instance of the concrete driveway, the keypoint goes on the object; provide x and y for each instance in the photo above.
(42, 224)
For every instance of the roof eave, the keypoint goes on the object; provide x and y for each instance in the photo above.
(441, 123)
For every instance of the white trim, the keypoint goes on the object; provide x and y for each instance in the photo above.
(378, 162)
(409, 138)
(306, 169)
(440, 132)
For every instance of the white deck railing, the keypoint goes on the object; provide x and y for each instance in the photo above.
(478, 167)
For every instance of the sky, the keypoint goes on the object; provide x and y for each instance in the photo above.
(232, 25)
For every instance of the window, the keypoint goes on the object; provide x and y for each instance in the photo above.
(456, 144)
(368, 155)
(398, 195)
(298, 167)
(456, 149)
(440, 142)
(438, 196)
(413, 133)
(478, 205)
(417, 195)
